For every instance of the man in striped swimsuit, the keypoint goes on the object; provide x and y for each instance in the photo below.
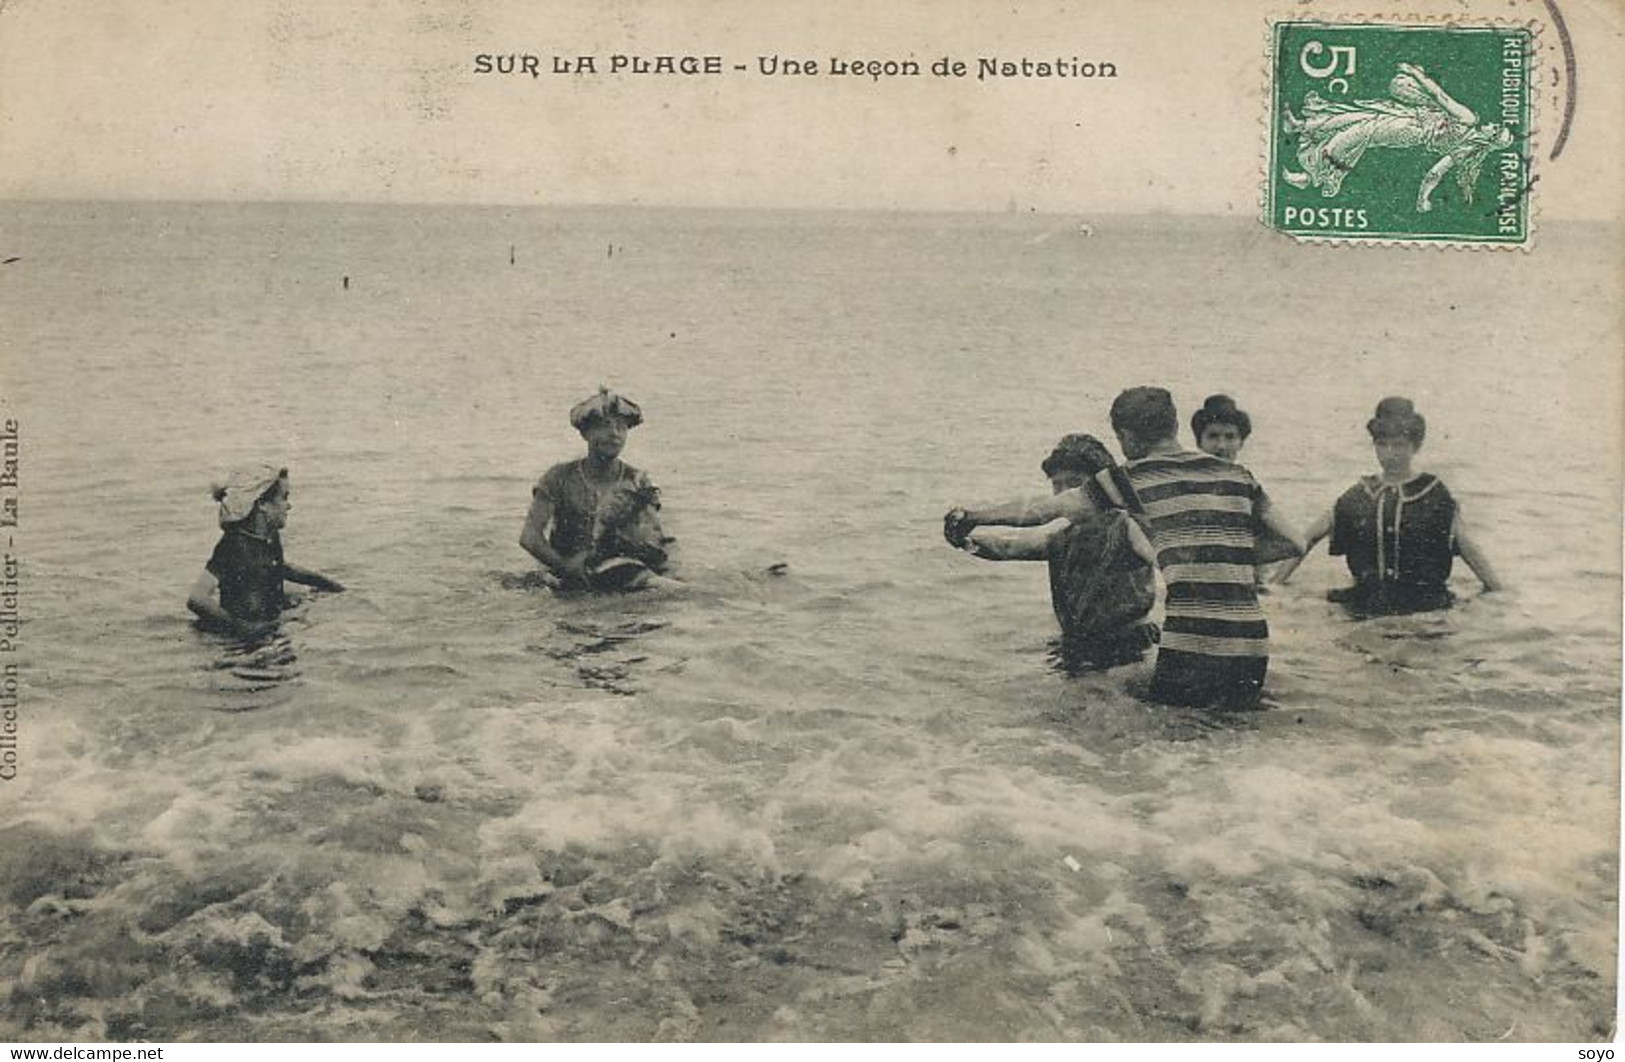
(1203, 515)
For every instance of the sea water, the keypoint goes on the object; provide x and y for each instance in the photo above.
(851, 798)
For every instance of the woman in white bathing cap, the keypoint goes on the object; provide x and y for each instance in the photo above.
(240, 589)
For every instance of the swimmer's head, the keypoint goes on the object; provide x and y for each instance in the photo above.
(1220, 427)
(1142, 417)
(1398, 417)
(603, 420)
(1075, 459)
(1397, 432)
(258, 489)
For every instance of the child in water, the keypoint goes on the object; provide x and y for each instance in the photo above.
(1398, 531)
(240, 589)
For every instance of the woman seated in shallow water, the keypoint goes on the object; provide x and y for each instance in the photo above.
(1398, 531)
(241, 589)
(595, 522)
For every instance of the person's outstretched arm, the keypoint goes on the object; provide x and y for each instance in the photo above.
(315, 580)
(1470, 552)
(1271, 517)
(1069, 505)
(1317, 531)
(1023, 544)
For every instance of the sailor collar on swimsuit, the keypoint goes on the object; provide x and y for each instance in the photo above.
(1411, 490)
(269, 540)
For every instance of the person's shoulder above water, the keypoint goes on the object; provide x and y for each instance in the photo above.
(238, 548)
(554, 478)
(1186, 470)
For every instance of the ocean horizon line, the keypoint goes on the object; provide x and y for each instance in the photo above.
(608, 205)
(1034, 213)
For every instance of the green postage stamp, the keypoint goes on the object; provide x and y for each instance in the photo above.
(1410, 132)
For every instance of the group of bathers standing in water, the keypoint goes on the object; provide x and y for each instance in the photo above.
(1197, 516)
(1207, 525)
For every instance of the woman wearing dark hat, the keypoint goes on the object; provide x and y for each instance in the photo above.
(1398, 531)
(241, 586)
(595, 522)
(1221, 427)
(1101, 587)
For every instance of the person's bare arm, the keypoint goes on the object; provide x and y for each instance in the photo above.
(1468, 547)
(1069, 505)
(534, 540)
(1012, 544)
(1140, 543)
(305, 577)
(1317, 531)
(1271, 517)
(1430, 181)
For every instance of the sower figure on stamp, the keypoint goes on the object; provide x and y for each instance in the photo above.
(595, 522)
(1101, 582)
(1332, 137)
(1204, 514)
(1398, 531)
(241, 588)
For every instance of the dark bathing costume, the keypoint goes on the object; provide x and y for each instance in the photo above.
(1101, 592)
(1399, 543)
(576, 500)
(249, 571)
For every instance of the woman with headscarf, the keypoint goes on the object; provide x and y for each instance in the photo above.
(241, 585)
(595, 522)
(1102, 583)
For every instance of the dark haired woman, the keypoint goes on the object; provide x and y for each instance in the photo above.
(1221, 429)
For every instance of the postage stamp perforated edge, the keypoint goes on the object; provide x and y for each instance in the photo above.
(1269, 119)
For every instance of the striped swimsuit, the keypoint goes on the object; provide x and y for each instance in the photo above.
(1202, 513)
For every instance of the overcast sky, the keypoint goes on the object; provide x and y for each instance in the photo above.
(302, 99)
